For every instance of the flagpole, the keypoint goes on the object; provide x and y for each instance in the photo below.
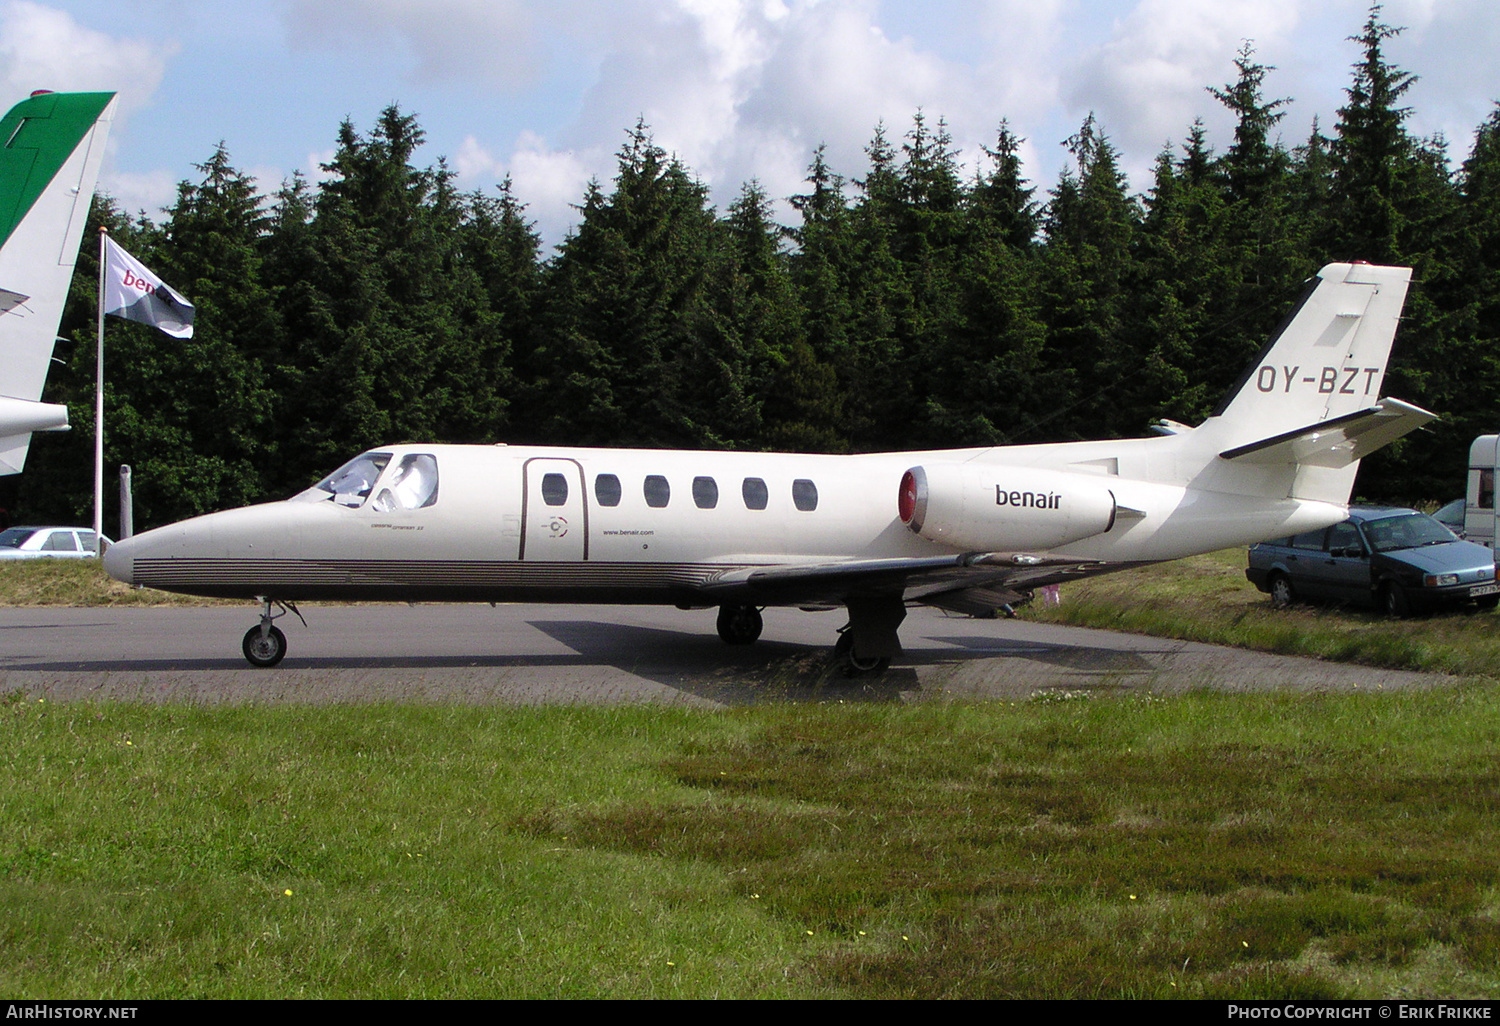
(99, 410)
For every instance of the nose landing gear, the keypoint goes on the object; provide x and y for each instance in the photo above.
(264, 644)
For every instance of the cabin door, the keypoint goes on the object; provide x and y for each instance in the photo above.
(554, 511)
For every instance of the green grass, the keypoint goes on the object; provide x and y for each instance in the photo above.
(1207, 598)
(1202, 845)
(76, 582)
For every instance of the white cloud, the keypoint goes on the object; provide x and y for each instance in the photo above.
(473, 162)
(742, 89)
(149, 193)
(835, 74)
(1147, 83)
(316, 160)
(43, 48)
(489, 41)
(550, 182)
(749, 89)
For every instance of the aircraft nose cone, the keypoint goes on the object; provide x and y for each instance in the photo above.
(119, 560)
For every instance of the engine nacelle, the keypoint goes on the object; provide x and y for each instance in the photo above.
(990, 508)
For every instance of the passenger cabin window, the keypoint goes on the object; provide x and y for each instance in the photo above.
(1486, 489)
(805, 495)
(554, 489)
(1309, 539)
(658, 492)
(755, 492)
(705, 492)
(350, 485)
(607, 490)
(412, 485)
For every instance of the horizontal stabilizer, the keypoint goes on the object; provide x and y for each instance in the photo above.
(1338, 442)
(18, 416)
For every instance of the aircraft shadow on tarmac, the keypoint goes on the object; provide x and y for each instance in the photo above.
(1083, 658)
(689, 661)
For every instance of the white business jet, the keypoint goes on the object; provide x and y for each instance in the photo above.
(964, 529)
(50, 148)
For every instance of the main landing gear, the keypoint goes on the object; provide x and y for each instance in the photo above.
(870, 640)
(866, 644)
(264, 644)
(739, 623)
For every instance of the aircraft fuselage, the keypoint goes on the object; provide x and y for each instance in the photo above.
(512, 523)
(969, 529)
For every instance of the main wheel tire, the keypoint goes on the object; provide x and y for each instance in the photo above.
(739, 624)
(264, 649)
(843, 652)
(1282, 592)
(1394, 601)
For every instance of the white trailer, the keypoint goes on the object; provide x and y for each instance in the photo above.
(1479, 497)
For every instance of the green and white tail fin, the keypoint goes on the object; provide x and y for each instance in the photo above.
(51, 146)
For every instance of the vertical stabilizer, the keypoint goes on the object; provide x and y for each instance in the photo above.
(1310, 407)
(1328, 360)
(51, 146)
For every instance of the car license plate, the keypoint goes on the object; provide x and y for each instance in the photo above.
(1480, 590)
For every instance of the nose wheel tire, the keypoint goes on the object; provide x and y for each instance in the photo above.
(264, 649)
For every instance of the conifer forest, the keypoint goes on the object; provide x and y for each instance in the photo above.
(912, 304)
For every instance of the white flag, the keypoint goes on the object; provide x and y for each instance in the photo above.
(134, 293)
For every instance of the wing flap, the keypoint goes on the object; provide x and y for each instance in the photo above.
(915, 579)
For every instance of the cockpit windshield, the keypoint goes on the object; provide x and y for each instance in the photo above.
(351, 484)
(411, 484)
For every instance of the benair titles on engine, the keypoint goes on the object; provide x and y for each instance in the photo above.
(1034, 500)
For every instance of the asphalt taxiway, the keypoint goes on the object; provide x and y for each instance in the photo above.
(536, 654)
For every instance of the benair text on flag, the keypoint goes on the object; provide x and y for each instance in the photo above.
(134, 293)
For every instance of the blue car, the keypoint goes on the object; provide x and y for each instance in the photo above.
(1395, 559)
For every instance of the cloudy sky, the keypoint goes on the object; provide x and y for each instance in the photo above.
(739, 89)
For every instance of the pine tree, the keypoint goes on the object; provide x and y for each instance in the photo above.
(616, 350)
(1087, 271)
(1371, 154)
(822, 267)
(393, 344)
(194, 416)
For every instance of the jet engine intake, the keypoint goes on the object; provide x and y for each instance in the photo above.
(989, 508)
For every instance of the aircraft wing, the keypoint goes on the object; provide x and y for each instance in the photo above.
(924, 579)
(1337, 442)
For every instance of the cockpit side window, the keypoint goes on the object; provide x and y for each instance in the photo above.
(350, 485)
(412, 485)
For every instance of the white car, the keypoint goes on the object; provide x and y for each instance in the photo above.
(40, 542)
